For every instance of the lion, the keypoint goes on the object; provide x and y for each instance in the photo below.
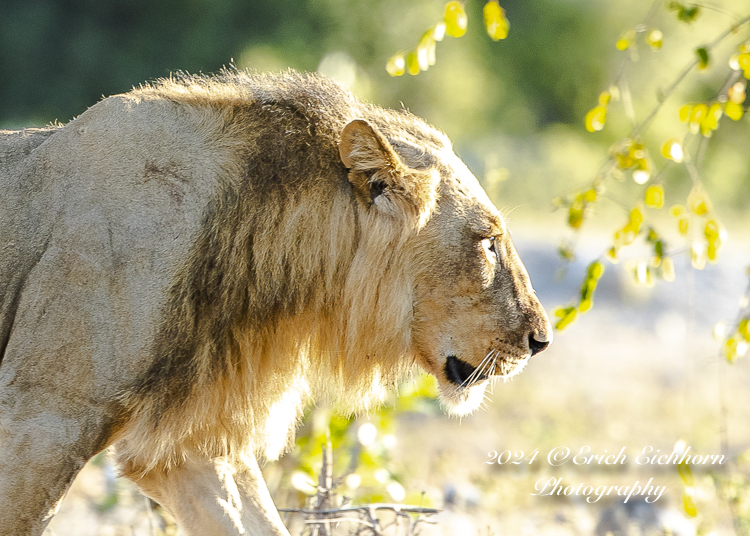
(185, 267)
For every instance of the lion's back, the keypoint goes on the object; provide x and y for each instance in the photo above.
(98, 217)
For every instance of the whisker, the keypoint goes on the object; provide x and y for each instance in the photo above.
(486, 362)
(470, 379)
(483, 366)
(476, 372)
(490, 363)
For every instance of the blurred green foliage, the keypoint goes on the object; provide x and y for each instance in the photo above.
(58, 57)
(361, 462)
(514, 108)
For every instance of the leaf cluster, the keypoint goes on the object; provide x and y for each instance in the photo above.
(696, 219)
(454, 23)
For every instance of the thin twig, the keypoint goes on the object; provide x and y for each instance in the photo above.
(366, 507)
(664, 95)
(712, 7)
(339, 519)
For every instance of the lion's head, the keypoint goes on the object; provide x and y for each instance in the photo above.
(475, 315)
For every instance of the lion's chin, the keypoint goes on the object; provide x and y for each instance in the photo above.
(462, 401)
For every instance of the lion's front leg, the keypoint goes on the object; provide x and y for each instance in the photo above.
(214, 497)
(43, 445)
(34, 476)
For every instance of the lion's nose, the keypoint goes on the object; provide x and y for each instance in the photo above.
(536, 346)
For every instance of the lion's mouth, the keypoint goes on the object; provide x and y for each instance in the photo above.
(460, 372)
(463, 374)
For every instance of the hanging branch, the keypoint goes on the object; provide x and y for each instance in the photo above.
(631, 155)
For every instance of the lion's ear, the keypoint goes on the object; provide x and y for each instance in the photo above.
(373, 164)
(380, 178)
(363, 148)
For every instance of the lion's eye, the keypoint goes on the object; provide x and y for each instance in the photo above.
(377, 187)
(489, 247)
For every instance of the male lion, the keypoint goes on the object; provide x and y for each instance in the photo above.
(185, 266)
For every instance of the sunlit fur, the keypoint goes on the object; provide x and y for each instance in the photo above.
(286, 296)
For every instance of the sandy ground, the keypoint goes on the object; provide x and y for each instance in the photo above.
(641, 370)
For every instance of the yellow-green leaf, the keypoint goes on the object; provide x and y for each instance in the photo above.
(703, 58)
(412, 63)
(654, 39)
(495, 21)
(396, 66)
(654, 196)
(733, 110)
(672, 149)
(575, 216)
(596, 118)
(565, 252)
(596, 270)
(569, 316)
(455, 19)
(684, 13)
(612, 255)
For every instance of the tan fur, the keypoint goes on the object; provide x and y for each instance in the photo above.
(236, 247)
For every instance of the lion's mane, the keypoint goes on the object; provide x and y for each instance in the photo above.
(290, 292)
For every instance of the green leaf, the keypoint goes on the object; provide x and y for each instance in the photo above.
(688, 14)
(703, 59)
(685, 13)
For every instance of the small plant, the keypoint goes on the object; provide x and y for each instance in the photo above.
(327, 513)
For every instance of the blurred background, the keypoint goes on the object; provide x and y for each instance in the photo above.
(641, 369)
